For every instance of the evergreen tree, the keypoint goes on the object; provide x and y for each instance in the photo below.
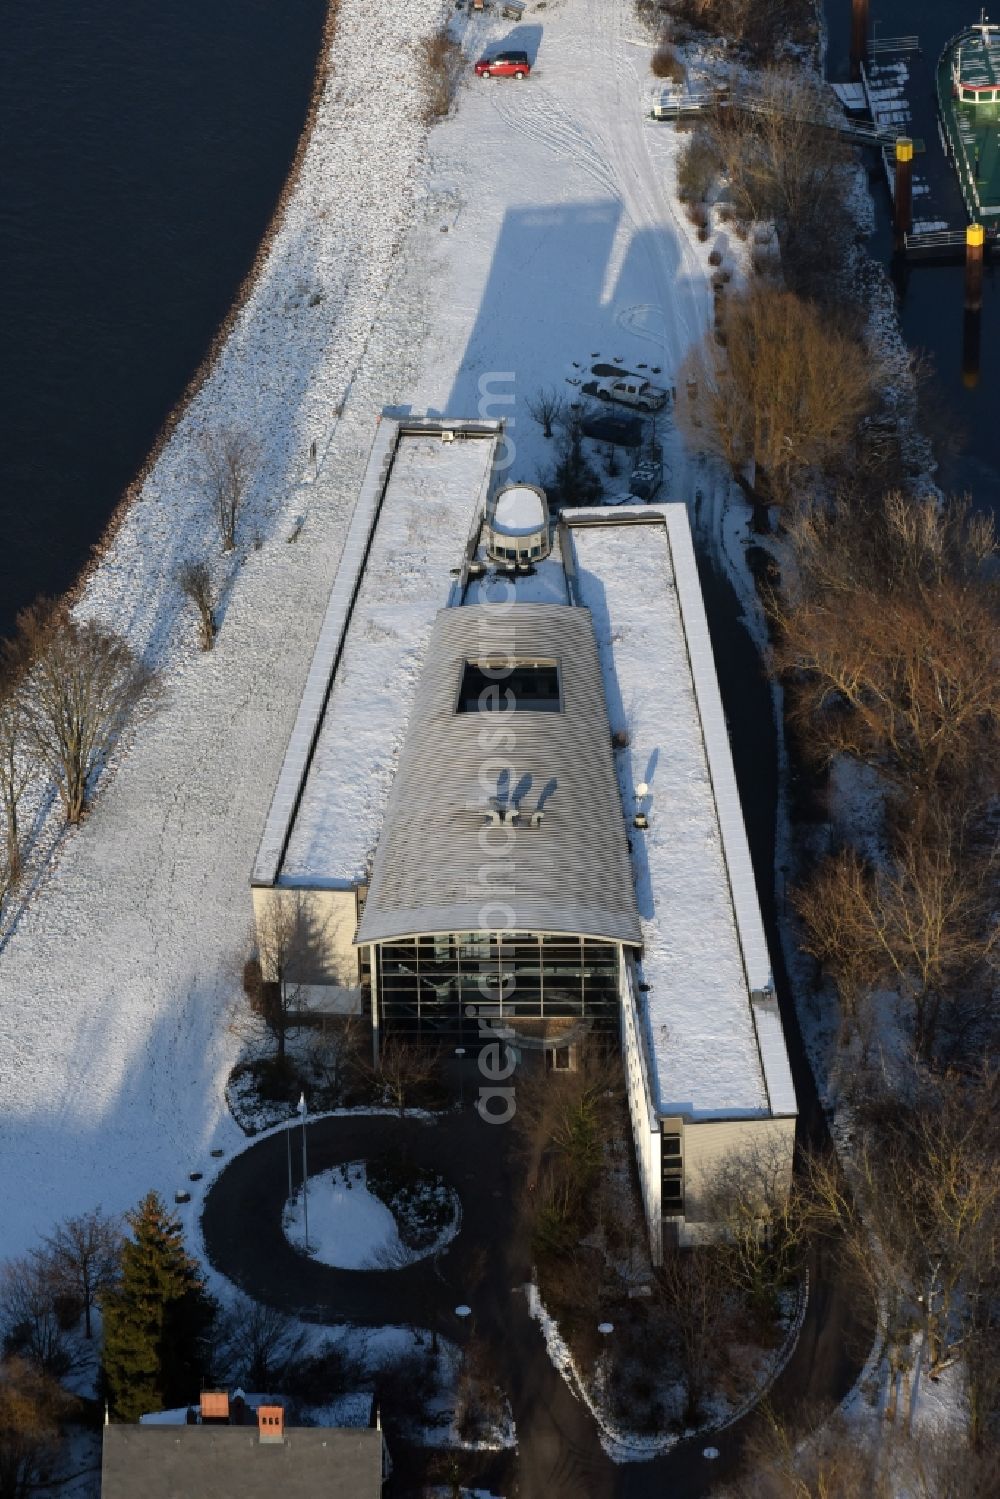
(574, 481)
(156, 1319)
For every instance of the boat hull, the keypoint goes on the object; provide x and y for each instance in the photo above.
(968, 98)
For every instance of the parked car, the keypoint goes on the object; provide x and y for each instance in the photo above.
(504, 65)
(620, 431)
(647, 476)
(627, 390)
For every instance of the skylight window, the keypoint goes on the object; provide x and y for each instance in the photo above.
(505, 686)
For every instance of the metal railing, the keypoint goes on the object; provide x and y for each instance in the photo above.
(878, 46)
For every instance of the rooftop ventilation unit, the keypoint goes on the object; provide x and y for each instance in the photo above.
(447, 435)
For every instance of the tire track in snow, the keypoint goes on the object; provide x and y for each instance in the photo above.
(608, 143)
(649, 206)
(540, 116)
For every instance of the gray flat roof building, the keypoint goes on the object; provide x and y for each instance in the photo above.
(231, 1462)
(511, 788)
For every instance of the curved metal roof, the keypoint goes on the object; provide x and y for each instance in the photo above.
(441, 866)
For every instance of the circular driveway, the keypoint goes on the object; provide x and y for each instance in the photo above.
(244, 1238)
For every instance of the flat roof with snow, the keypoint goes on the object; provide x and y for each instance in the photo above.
(425, 487)
(715, 1041)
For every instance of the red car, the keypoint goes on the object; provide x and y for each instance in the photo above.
(504, 65)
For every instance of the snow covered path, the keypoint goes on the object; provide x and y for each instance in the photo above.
(562, 240)
(118, 983)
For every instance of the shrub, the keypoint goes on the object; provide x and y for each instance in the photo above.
(759, 27)
(440, 62)
(666, 64)
(416, 1197)
(697, 166)
(404, 1386)
(574, 481)
(333, 1370)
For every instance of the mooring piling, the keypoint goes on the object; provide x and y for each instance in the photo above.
(859, 37)
(902, 217)
(975, 238)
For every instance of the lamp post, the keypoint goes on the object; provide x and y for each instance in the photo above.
(605, 1329)
(460, 1054)
(303, 1113)
(288, 1144)
(640, 819)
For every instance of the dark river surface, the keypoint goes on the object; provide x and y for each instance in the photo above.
(143, 147)
(931, 296)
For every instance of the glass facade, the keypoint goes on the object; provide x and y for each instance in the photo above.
(672, 1183)
(427, 985)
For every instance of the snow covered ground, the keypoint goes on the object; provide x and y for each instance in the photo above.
(562, 240)
(346, 1225)
(350, 1227)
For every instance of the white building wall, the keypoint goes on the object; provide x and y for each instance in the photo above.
(330, 960)
(645, 1125)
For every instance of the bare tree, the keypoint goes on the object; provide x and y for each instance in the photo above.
(257, 1345)
(335, 1055)
(981, 1352)
(784, 163)
(16, 770)
(818, 1455)
(229, 461)
(573, 481)
(32, 1406)
(84, 1257)
(919, 1217)
(195, 581)
(833, 904)
(924, 924)
(693, 1288)
(545, 407)
(480, 1406)
(752, 1196)
(404, 1070)
(83, 683)
(785, 394)
(291, 943)
(564, 1118)
(887, 631)
(30, 1315)
(808, 1456)
(760, 26)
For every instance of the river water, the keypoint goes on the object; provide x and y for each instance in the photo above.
(931, 296)
(143, 150)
